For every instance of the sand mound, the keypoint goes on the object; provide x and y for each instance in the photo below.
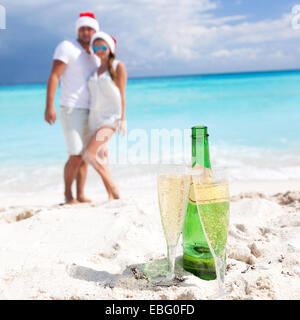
(101, 251)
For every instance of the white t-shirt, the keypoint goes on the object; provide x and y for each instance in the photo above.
(74, 80)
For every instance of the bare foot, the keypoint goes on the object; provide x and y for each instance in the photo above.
(72, 201)
(115, 195)
(84, 200)
(113, 198)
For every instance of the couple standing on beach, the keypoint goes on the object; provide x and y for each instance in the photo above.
(92, 103)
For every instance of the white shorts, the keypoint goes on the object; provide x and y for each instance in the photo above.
(74, 122)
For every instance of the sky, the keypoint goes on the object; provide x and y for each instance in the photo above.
(155, 37)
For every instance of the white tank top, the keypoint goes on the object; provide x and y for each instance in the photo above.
(105, 100)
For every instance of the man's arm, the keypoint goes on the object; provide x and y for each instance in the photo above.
(58, 68)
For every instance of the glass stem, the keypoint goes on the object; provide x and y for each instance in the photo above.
(220, 269)
(171, 261)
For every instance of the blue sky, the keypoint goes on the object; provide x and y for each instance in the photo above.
(155, 37)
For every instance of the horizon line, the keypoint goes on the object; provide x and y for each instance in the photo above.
(181, 75)
(217, 73)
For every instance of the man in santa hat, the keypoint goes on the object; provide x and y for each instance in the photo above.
(73, 63)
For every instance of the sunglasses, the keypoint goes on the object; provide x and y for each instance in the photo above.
(96, 48)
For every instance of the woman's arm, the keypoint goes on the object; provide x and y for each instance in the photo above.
(121, 81)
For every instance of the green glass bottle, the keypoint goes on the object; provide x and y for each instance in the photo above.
(197, 257)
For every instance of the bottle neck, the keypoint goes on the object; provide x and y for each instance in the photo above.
(200, 152)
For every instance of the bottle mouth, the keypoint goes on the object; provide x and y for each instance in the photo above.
(199, 127)
(199, 132)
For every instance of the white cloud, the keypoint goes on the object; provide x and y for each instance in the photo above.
(189, 31)
(162, 34)
(250, 53)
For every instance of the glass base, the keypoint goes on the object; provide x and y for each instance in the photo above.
(157, 272)
(164, 281)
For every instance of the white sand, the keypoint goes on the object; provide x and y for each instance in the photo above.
(95, 251)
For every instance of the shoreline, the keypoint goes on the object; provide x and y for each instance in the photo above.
(229, 73)
(97, 192)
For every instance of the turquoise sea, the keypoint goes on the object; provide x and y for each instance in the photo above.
(253, 121)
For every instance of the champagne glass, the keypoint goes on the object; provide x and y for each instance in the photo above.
(211, 194)
(173, 185)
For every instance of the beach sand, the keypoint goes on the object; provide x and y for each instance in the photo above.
(99, 250)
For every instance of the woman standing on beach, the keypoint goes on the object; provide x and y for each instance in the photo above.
(107, 107)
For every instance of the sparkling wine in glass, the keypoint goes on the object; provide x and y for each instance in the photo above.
(211, 195)
(173, 186)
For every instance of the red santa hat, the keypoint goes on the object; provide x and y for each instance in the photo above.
(111, 41)
(87, 19)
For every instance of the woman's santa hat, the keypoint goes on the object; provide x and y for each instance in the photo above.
(87, 19)
(111, 41)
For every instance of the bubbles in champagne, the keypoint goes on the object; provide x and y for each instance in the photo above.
(173, 190)
(213, 207)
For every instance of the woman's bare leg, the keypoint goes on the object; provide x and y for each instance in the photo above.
(96, 154)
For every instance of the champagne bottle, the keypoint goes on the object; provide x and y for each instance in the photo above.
(197, 257)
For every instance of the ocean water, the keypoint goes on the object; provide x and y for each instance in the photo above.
(253, 121)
